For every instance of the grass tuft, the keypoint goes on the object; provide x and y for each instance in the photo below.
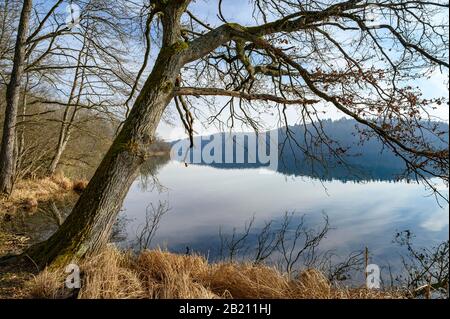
(28, 193)
(80, 185)
(46, 285)
(64, 182)
(163, 275)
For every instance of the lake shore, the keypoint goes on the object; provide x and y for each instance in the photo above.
(29, 193)
(157, 274)
(150, 273)
(28, 198)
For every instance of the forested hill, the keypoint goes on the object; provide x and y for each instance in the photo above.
(303, 153)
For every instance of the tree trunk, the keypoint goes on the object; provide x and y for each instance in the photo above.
(8, 147)
(58, 153)
(21, 132)
(63, 139)
(87, 229)
(67, 121)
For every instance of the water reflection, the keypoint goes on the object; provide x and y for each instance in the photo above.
(41, 222)
(205, 200)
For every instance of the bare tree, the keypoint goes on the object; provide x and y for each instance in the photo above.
(102, 77)
(290, 57)
(291, 245)
(70, 112)
(425, 268)
(236, 244)
(92, 52)
(147, 231)
(342, 270)
(8, 15)
(26, 41)
(7, 150)
(268, 242)
(300, 243)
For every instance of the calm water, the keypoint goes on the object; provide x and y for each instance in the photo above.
(204, 200)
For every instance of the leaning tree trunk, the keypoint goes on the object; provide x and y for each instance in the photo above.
(8, 147)
(87, 229)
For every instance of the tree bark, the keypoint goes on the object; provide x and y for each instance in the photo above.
(87, 229)
(21, 133)
(8, 147)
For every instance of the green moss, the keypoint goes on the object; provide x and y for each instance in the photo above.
(167, 87)
(237, 27)
(240, 49)
(175, 48)
(179, 46)
(60, 262)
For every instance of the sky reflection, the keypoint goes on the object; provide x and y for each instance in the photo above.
(204, 199)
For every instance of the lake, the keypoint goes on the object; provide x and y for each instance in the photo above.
(204, 201)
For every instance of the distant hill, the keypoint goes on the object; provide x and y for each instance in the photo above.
(302, 154)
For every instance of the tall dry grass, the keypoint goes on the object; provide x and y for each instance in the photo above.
(160, 274)
(29, 193)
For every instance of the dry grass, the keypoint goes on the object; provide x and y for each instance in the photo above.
(12, 284)
(80, 185)
(111, 275)
(27, 196)
(28, 193)
(169, 276)
(46, 285)
(64, 182)
(159, 274)
(10, 243)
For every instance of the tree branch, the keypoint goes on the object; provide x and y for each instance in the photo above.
(243, 95)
